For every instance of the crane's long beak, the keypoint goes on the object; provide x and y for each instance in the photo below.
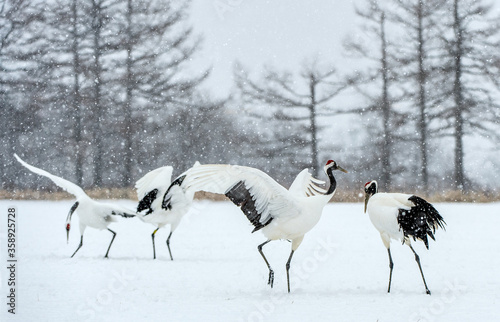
(342, 169)
(367, 197)
(67, 233)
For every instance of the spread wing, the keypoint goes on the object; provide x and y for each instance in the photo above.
(260, 197)
(156, 184)
(156, 179)
(305, 185)
(63, 183)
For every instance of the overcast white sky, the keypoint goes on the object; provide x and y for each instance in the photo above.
(279, 32)
(283, 33)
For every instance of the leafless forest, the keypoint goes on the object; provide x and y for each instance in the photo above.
(101, 91)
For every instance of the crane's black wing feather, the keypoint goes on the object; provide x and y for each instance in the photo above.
(420, 221)
(240, 195)
(147, 201)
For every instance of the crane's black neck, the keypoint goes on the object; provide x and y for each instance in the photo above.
(72, 210)
(333, 182)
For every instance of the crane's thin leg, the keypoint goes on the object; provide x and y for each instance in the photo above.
(417, 259)
(391, 265)
(114, 235)
(287, 270)
(270, 281)
(153, 237)
(79, 246)
(168, 245)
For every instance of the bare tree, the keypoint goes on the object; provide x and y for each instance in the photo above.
(298, 100)
(66, 29)
(158, 44)
(375, 83)
(19, 92)
(109, 74)
(204, 130)
(418, 69)
(471, 41)
(99, 46)
(77, 96)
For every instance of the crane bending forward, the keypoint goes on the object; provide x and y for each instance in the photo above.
(91, 213)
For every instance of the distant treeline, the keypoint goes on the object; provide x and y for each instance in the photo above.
(341, 195)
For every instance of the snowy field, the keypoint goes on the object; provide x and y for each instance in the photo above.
(339, 273)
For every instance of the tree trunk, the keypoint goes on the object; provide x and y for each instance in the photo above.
(127, 178)
(422, 121)
(312, 117)
(97, 108)
(459, 179)
(77, 97)
(386, 109)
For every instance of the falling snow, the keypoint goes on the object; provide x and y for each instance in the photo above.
(102, 92)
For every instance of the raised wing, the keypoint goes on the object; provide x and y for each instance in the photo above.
(63, 183)
(146, 203)
(176, 197)
(260, 197)
(156, 179)
(305, 185)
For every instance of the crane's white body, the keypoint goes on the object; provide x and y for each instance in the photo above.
(161, 218)
(160, 179)
(296, 225)
(151, 210)
(383, 209)
(98, 214)
(100, 218)
(294, 212)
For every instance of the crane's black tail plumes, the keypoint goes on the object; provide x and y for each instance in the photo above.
(420, 221)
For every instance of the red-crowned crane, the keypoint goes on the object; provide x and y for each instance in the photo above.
(150, 190)
(279, 213)
(402, 217)
(91, 213)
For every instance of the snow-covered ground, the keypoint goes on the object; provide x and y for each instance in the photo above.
(339, 273)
